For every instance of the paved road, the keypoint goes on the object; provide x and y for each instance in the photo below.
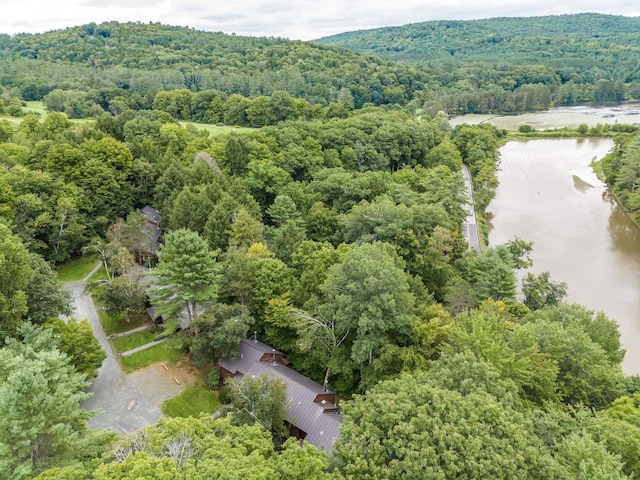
(470, 226)
(127, 402)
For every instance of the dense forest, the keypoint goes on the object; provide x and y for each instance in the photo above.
(333, 231)
(139, 60)
(482, 65)
(621, 171)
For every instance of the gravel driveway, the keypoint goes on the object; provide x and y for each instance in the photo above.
(127, 402)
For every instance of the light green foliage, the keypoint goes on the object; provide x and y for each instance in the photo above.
(76, 339)
(140, 465)
(414, 427)
(620, 437)
(625, 408)
(41, 424)
(585, 459)
(600, 329)
(260, 400)
(511, 350)
(204, 448)
(302, 462)
(585, 373)
(446, 154)
(187, 276)
(125, 293)
(368, 295)
(245, 230)
(273, 278)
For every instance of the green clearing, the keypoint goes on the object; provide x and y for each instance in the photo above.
(76, 269)
(36, 107)
(128, 342)
(116, 324)
(218, 129)
(194, 400)
(144, 358)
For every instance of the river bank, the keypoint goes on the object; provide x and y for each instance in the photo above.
(549, 194)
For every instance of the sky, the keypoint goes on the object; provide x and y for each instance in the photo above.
(293, 19)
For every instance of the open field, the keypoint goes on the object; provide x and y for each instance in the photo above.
(218, 129)
(36, 107)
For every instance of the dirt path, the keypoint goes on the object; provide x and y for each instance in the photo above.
(126, 402)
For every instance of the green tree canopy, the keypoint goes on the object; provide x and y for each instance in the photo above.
(42, 424)
(187, 276)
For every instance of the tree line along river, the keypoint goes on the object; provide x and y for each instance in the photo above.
(549, 194)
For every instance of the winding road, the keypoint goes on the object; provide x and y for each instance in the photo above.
(470, 226)
(126, 402)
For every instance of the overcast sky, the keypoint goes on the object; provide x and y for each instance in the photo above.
(294, 19)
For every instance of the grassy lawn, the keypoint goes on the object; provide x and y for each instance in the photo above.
(76, 269)
(190, 403)
(159, 353)
(116, 324)
(128, 342)
(218, 129)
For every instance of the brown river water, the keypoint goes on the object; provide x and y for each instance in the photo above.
(550, 195)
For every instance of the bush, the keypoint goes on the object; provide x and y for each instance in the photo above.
(213, 379)
(225, 395)
(525, 129)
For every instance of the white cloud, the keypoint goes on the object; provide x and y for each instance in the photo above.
(300, 19)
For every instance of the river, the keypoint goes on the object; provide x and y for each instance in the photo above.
(550, 195)
(558, 117)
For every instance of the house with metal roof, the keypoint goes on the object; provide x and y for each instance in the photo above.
(312, 412)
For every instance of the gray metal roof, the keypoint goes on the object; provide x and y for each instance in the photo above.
(320, 421)
(152, 214)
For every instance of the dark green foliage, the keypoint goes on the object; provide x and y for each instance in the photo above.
(622, 173)
(46, 298)
(154, 57)
(512, 64)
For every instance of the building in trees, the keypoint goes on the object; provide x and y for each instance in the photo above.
(149, 255)
(312, 412)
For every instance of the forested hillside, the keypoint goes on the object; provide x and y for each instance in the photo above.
(576, 58)
(143, 59)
